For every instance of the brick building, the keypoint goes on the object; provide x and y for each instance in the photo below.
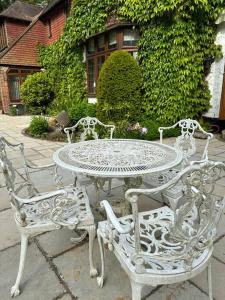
(22, 28)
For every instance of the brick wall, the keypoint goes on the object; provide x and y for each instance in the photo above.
(24, 50)
(4, 91)
(14, 29)
(57, 19)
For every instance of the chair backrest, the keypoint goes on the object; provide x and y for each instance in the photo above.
(88, 125)
(193, 225)
(15, 171)
(186, 141)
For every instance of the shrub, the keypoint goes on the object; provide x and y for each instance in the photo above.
(38, 126)
(37, 92)
(124, 130)
(81, 110)
(12, 110)
(153, 132)
(118, 88)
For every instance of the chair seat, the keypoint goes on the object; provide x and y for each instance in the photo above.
(70, 208)
(156, 245)
(170, 195)
(160, 178)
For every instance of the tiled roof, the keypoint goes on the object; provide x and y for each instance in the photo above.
(50, 6)
(21, 11)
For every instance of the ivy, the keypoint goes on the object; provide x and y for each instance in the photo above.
(175, 52)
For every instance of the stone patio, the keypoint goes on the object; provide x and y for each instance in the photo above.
(56, 269)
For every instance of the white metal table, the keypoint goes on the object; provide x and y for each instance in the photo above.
(117, 158)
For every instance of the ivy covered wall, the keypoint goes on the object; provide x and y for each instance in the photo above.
(175, 52)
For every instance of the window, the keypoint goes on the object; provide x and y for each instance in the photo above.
(112, 39)
(101, 43)
(101, 60)
(14, 87)
(91, 77)
(26, 71)
(15, 78)
(100, 47)
(130, 37)
(91, 46)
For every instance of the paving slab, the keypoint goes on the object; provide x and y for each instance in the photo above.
(9, 235)
(181, 291)
(74, 267)
(219, 250)
(56, 242)
(4, 199)
(221, 226)
(64, 297)
(39, 282)
(218, 275)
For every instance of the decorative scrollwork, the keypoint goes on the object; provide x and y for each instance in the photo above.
(66, 209)
(89, 129)
(165, 240)
(186, 141)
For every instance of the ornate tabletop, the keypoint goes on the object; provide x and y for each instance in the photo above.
(117, 157)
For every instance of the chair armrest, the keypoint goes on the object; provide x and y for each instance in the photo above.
(112, 128)
(34, 167)
(160, 129)
(132, 194)
(198, 162)
(39, 198)
(69, 128)
(113, 219)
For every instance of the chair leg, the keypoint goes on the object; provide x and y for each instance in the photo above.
(91, 232)
(109, 187)
(100, 279)
(210, 281)
(136, 290)
(15, 289)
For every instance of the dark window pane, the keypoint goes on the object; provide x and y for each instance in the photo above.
(101, 43)
(91, 78)
(130, 37)
(26, 71)
(101, 60)
(13, 71)
(14, 87)
(91, 46)
(112, 39)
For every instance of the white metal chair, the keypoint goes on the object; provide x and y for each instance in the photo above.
(165, 246)
(36, 212)
(186, 141)
(88, 125)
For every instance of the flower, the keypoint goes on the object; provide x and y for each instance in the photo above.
(144, 130)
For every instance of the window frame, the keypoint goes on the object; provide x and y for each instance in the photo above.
(96, 54)
(12, 72)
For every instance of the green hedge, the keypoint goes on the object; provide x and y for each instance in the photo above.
(81, 110)
(124, 130)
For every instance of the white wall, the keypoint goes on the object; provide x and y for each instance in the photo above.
(215, 77)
